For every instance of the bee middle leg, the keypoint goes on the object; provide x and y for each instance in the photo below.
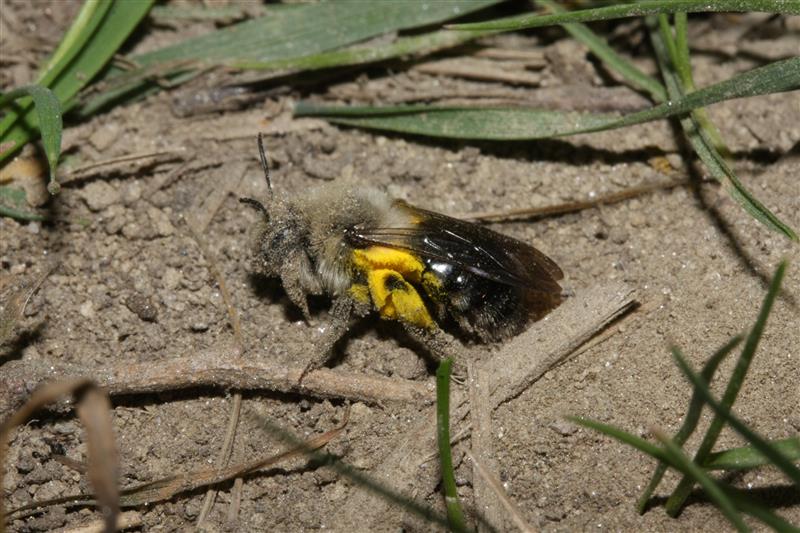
(343, 310)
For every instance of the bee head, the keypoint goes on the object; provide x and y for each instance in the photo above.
(280, 233)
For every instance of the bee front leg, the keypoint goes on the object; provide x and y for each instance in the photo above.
(298, 282)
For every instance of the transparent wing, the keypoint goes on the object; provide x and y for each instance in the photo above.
(472, 247)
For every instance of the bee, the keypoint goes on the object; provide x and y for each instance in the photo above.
(372, 253)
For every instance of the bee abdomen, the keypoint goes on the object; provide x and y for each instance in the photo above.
(480, 306)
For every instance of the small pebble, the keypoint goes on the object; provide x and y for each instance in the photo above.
(171, 278)
(99, 194)
(161, 223)
(142, 307)
(113, 219)
(563, 428)
(86, 309)
(105, 136)
(328, 145)
(618, 235)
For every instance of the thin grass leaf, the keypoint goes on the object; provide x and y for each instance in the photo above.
(48, 121)
(359, 54)
(528, 124)
(309, 29)
(86, 22)
(710, 486)
(744, 502)
(703, 143)
(626, 438)
(681, 61)
(678, 47)
(610, 58)
(713, 146)
(13, 204)
(460, 122)
(455, 515)
(690, 420)
(199, 12)
(740, 500)
(645, 7)
(96, 41)
(281, 35)
(748, 457)
(775, 456)
(681, 492)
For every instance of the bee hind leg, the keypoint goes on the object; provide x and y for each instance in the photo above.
(439, 344)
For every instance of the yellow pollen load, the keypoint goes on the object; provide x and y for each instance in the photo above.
(387, 271)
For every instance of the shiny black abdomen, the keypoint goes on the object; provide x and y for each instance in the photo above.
(480, 306)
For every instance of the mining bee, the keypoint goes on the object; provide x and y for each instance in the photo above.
(369, 252)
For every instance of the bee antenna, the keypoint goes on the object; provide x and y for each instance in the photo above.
(264, 165)
(258, 206)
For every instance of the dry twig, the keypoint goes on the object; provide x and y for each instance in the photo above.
(530, 213)
(91, 169)
(486, 501)
(217, 368)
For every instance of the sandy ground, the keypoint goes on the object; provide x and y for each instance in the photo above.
(133, 288)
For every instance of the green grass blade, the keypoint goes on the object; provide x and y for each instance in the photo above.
(690, 421)
(681, 492)
(741, 501)
(712, 489)
(528, 124)
(645, 7)
(775, 456)
(91, 14)
(198, 12)
(744, 502)
(460, 122)
(704, 147)
(705, 137)
(455, 515)
(625, 438)
(96, 50)
(12, 204)
(748, 457)
(359, 55)
(610, 58)
(283, 35)
(48, 120)
(704, 143)
(310, 29)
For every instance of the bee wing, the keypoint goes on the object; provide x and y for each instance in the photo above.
(472, 247)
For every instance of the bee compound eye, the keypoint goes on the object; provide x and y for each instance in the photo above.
(279, 238)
